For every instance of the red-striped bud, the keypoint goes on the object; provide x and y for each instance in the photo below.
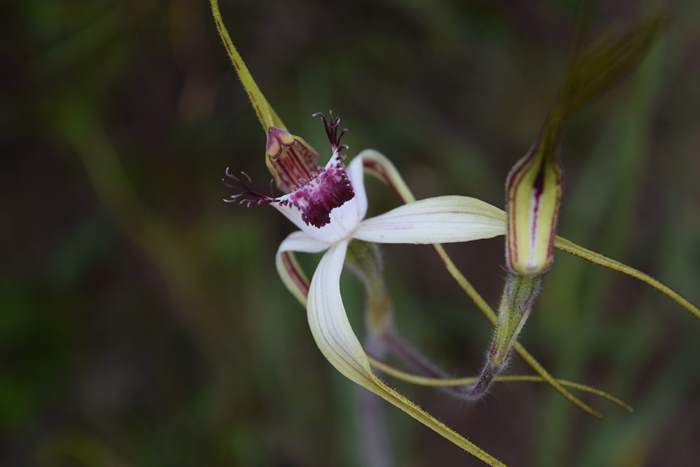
(292, 162)
(533, 195)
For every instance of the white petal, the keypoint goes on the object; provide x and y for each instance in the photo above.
(291, 213)
(292, 276)
(338, 343)
(443, 219)
(299, 241)
(328, 321)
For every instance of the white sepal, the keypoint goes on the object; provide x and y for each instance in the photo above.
(443, 219)
(291, 275)
(328, 321)
(338, 343)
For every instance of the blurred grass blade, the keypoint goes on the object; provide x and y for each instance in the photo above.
(607, 62)
(597, 258)
(446, 382)
(266, 114)
(592, 72)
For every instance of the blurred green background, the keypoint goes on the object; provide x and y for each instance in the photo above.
(141, 319)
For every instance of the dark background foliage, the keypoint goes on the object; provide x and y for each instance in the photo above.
(141, 319)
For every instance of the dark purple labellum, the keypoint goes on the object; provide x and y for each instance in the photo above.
(329, 190)
(313, 190)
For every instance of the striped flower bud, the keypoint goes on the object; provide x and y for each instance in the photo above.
(534, 187)
(533, 195)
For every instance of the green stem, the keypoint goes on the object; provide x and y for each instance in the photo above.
(519, 294)
(365, 261)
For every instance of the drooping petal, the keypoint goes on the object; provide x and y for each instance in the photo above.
(289, 271)
(338, 343)
(328, 321)
(443, 219)
(333, 199)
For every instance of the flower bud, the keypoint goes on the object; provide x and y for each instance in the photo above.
(533, 188)
(533, 195)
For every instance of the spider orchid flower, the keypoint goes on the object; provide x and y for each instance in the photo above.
(329, 209)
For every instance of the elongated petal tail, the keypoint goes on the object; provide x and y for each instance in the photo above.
(266, 114)
(605, 63)
(290, 159)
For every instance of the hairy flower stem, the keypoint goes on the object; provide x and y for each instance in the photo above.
(519, 294)
(365, 262)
